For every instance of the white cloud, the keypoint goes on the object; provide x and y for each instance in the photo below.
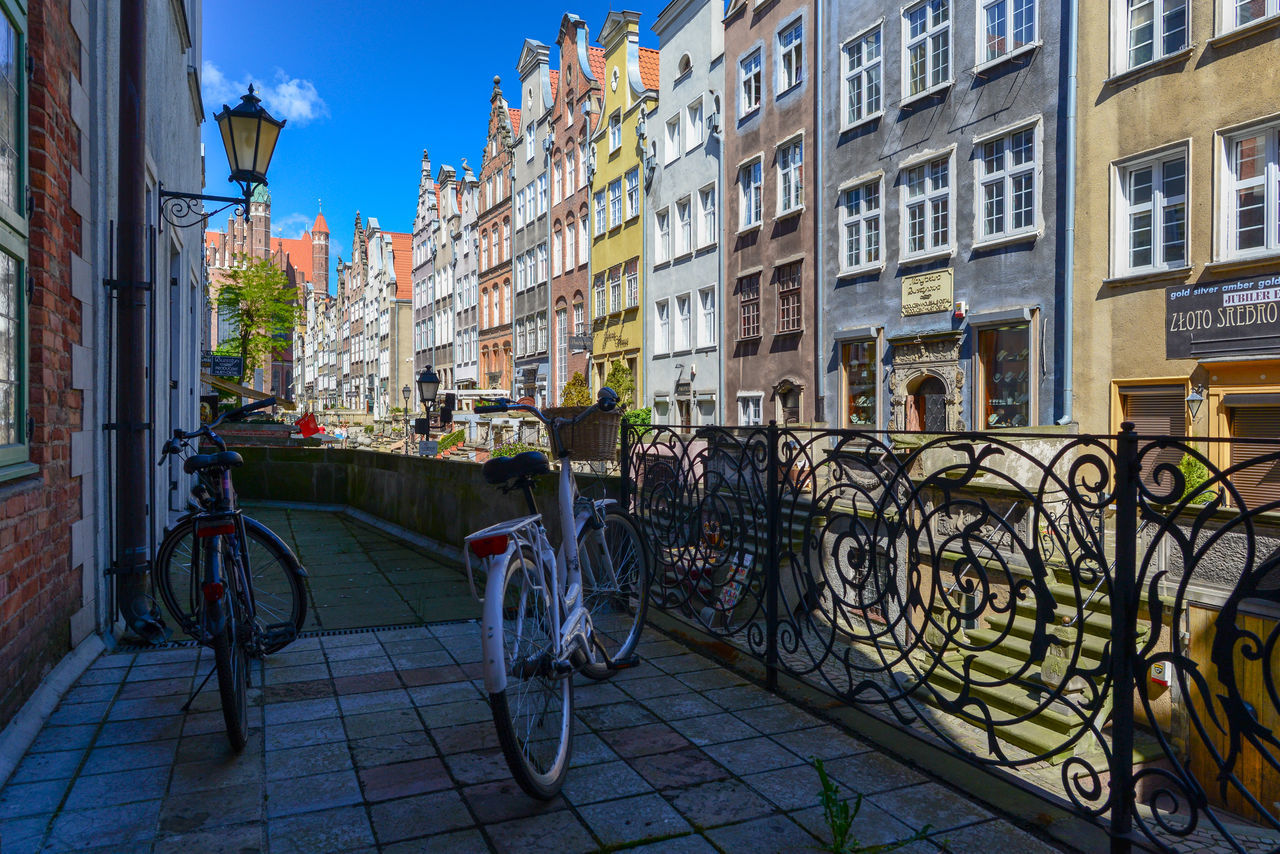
(286, 97)
(290, 227)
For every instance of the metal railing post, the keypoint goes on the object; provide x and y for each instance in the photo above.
(773, 500)
(1124, 615)
(624, 466)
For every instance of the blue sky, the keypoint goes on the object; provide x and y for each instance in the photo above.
(365, 88)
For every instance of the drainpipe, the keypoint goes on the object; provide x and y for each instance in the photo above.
(1069, 275)
(819, 207)
(132, 558)
(723, 261)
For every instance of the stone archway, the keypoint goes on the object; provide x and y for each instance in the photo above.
(930, 362)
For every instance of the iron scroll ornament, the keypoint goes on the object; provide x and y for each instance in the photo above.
(186, 209)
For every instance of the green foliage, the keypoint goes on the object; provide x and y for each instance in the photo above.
(368, 428)
(262, 311)
(1195, 473)
(620, 380)
(839, 815)
(512, 448)
(452, 439)
(638, 417)
(575, 392)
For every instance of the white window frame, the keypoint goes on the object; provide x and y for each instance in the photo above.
(615, 203)
(933, 80)
(615, 131)
(707, 232)
(750, 409)
(932, 247)
(598, 291)
(633, 193)
(790, 176)
(789, 67)
(1268, 181)
(684, 227)
(750, 82)
(751, 195)
(519, 212)
(631, 282)
(985, 35)
(682, 328)
(662, 327)
(672, 138)
(854, 225)
(1163, 13)
(695, 127)
(866, 77)
(1158, 207)
(1005, 178)
(662, 236)
(1229, 18)
(529, 143)
(708, 328)
(542, 193)
(600, 213)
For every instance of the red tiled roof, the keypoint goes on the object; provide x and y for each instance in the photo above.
(595, 56)
(298, 251)
(649, 68)
(555, 85)
(320, 226)
(402, 263)
(515, 120)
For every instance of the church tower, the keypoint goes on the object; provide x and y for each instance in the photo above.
(260, 216)
(320, 254)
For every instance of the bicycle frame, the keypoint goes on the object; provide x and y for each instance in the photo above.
(234, 579)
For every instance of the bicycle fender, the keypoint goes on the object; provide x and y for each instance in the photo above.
(495, 671)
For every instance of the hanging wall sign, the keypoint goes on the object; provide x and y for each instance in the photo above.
(1232, 317)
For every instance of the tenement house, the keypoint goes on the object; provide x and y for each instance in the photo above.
(494, 222)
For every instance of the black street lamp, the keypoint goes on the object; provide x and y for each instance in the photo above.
(249, 135)
(428, 386)
(406, 391)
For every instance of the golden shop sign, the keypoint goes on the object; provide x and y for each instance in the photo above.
(928, 292)
(1237, 316)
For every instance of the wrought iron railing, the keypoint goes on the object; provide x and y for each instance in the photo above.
(1054, 605)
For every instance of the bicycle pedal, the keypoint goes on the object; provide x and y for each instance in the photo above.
(279, 633)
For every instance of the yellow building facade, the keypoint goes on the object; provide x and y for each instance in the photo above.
(1177, 242)
(617, 168)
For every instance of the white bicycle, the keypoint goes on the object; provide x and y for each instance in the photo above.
(548, 614)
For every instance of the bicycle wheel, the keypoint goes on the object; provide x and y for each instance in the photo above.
(231, 661)
(278, 591)
(534, 713)
(615, 591)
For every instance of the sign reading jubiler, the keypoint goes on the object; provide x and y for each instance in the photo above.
(1227, 318)
(928, 292)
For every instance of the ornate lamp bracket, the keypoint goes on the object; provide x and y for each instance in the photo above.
(186, 209)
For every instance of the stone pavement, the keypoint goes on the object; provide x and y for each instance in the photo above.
(382, 740)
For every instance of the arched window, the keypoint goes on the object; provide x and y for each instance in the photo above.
(556, 248)
(684, 66)
(584, 242)
(570, 256)
(484, 250)
(506, 238)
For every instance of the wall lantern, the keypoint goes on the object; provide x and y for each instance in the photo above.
(1195, 400)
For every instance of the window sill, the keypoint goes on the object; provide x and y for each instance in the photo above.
(926, 257)
(706, 348)
(661, 264)
(18, 471)
(746, 229)
(864, 270)
(981, 69)
(1162, 62)
(1245, 264)
(1244, 31)
(787, 91)
(927, 93)
(781, 332)
(796, 211)
(1174, 274)
(683, 351)
(682, 256)
(1007, 240)
(750, 114)
(862, 122)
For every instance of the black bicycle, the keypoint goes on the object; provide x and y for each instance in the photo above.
(227, 580)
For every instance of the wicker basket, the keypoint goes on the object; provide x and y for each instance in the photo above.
(593, 439)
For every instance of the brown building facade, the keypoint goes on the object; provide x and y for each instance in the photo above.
(770, 341)
(495, 369)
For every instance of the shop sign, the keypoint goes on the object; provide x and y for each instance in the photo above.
(927, 293)
(1227, 318)
(226, 366)
(580, 342)
(683, 389)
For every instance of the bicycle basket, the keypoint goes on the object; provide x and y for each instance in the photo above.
(593, 439)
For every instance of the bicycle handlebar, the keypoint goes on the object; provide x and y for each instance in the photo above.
(181, 437)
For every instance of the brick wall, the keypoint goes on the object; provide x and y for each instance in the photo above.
(39, 588)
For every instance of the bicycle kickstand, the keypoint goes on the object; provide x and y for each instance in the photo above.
(186, 707)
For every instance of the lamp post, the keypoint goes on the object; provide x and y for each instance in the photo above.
(428, 386)
(406, 391)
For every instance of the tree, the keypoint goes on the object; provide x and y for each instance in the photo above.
(575, 391)
(262, 310)
(621, 381)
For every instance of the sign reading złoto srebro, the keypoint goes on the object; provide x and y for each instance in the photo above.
(1238, 316)
(927, 292)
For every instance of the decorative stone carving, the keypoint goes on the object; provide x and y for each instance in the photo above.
(914, 358)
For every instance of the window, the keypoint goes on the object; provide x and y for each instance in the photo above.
(1156, 410)
(570, 249)
(707, 216)
(615, 289)
(633, 193)
(694, 127)
(790, 56)
(789, 315)
(750, 410)
(520, 209)
(597, 296)
(862, 69)
(579, 319)
(484, 250)
(542, 262)
(506, 239)
(749, 180)
(927, 46)
(583, 161)
(662, 237)
(673, 138)
(570, 172)
(633, 283)
(1238, 13)
(562, 346)
(707, 327)
(1253, 192)
(1153, 214)
(684, 323)
(542, 333)
(1003, 356)
(542, 195)
(1257, 420)
(684, 227)
(662, 341)
(1152, 29)
(583, 241)
(557, 182)
(749, 306)
(520, 339)
(860, 226)
(615, 132)
(749, 84)
(1008, 26)
(557, 253)
(858, 361)
(791, 177)
(615, 203)
(1007, 184)
(528, 143)
(926, 191)
(600, 222)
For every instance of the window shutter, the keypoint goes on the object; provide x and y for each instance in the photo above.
(1158, 412)
(1259, 483)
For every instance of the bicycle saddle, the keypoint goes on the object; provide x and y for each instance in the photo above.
(200, 462)
(498, 470)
